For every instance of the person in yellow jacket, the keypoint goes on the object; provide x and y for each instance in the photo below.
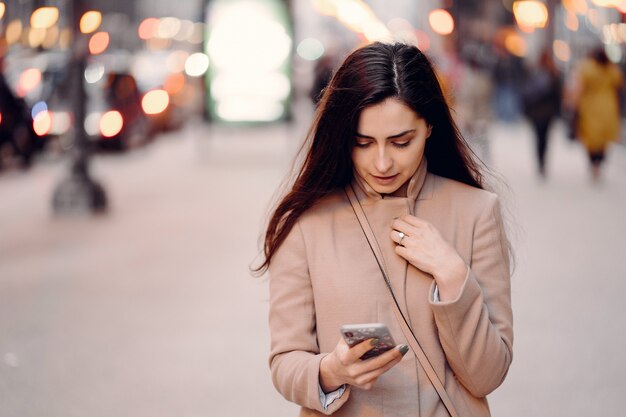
(598, 83)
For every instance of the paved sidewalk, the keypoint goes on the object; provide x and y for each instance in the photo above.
(150, 310)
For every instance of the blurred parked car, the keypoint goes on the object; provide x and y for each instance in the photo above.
(114, 117)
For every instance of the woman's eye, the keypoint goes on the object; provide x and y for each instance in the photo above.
(362, 144)
(403, 144)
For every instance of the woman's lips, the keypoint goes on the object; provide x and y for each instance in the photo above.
(385, 180)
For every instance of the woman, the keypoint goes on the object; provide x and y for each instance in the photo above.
(597, 97)
(383, 128)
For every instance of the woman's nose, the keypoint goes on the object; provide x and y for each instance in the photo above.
(383, 161)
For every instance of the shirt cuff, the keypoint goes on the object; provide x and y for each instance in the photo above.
(327, 399)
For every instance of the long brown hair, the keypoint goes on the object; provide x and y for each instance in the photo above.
(369, 76)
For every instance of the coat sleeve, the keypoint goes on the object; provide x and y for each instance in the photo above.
(476, 329)
(295, 355)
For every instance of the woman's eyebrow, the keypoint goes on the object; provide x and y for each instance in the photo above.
(398, 135)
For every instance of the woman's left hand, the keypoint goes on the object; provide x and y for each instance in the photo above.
(421, 244)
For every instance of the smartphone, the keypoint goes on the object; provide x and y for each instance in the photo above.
(354, 334)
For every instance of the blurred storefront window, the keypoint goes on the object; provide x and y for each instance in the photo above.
(249, 46)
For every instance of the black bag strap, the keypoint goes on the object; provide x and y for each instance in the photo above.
(404, 325)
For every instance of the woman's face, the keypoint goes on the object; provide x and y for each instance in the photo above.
(389, 146)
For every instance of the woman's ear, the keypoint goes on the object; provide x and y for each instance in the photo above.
(430, 130)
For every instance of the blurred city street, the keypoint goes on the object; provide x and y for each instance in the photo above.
(149, 310)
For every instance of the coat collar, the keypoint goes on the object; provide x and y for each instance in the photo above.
(419, 188)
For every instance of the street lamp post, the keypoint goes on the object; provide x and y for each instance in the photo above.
(79, 193)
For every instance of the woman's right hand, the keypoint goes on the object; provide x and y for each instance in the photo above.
(344, 366)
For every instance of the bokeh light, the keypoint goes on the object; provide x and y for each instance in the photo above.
(42, 123)
(98, 43)
(111, 123)
(2, 9)
(28, 81)
(168, 27)
(571, 21)
(561, 50)
(185, 31)
(530, 14)
(51, 38)
(197, 64)
(61, 122)
(441, 22)
(310, 49)
(36, 36)
(38, 108)
(94, 73)
(174, 83)
(515, 44)
(90, 21)
(13, 31)
(148, 28)
(44, 17)
(155, 102)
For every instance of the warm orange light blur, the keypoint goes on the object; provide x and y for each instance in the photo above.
(42, 123)
(155, 101)
(174, 83)
(14, 31)
(90, 21)
(575, 6)
(36, 37)
(111, 123)
(581, 6)
(52, 36)
(530, 14)
(441, 22)
(147, 29)
(29, 80)
(44, 17)
(571, 21)
(0, 118)
(561, 50)
(515, 44)
(98, 43)
(2, 9)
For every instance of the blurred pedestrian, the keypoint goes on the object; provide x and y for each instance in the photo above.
(597, 88)
(473, 106)
(541, 97)
(508, 73)
(388, 220)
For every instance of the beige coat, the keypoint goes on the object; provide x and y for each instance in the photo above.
(324, 275)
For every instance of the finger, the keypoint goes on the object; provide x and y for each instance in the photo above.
(385, 360)
(414, 221)
(398, 237)
(402, 251)
(401, 225)
(367, 380)
(359, 350)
